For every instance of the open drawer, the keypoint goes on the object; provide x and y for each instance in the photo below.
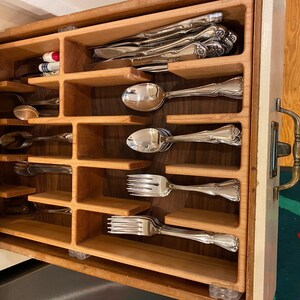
(99, 160)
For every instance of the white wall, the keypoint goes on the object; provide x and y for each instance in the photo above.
(18, 12)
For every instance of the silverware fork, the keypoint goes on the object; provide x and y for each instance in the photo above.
(25, 168)
(149, 185)
(148, 226)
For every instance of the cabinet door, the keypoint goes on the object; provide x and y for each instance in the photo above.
(271, 83)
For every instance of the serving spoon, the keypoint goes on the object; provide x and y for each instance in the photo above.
(152, 140)
(150, 96)
(22, 139)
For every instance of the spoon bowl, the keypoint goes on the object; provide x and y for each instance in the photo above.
(16, 140)
(143, 97)
(152, 140)
(22, 139)
(25, 112)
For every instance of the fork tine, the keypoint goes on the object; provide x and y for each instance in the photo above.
(144, 195)
(142, 180)
(149, 176)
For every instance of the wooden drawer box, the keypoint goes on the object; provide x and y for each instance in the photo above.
(91, 108)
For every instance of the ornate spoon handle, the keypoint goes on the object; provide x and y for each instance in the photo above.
(228, 134)
(232, 88)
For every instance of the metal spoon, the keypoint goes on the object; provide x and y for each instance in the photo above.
(26, 112)
(151, 140)
(23, 139)
(150, 96)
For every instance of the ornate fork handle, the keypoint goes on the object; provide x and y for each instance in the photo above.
(232, 88)
(228, 134)
(229, 189)
(226, 241)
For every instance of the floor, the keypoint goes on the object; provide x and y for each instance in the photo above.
(288, 268)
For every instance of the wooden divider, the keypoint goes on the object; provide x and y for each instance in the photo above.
(100, 162)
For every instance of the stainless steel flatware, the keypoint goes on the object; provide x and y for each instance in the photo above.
(200, 21)
(23, 139)
(149, 226)
(26, 112)
(150, 96)
(152, 140)
(25, 168)
(192, 51)
(150, 185)
(217, 32)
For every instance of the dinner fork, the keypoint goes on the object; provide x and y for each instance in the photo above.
(148, 226)
(148, 185)
(25, 168)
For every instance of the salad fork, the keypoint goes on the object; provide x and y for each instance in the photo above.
(149, 185)
(148, 226)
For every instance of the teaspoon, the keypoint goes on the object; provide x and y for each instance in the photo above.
(23, 139)
(151, 140)
(150, 96)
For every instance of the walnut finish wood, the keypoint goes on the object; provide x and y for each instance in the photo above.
(90, 104)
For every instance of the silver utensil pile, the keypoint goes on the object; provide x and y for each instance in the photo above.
(194, 38)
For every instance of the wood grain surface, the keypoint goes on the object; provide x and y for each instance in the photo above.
(91, 108)
(291, 87)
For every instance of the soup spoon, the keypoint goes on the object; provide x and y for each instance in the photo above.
(150, 96)
(23, 139)
(151, 140)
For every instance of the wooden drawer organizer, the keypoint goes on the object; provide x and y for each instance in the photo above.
(90, 106)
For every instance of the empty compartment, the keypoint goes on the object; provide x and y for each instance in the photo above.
(38, 222)
(93, 193)
(98, 141)
(165, 254)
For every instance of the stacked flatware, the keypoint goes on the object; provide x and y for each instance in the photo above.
(194, 38)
